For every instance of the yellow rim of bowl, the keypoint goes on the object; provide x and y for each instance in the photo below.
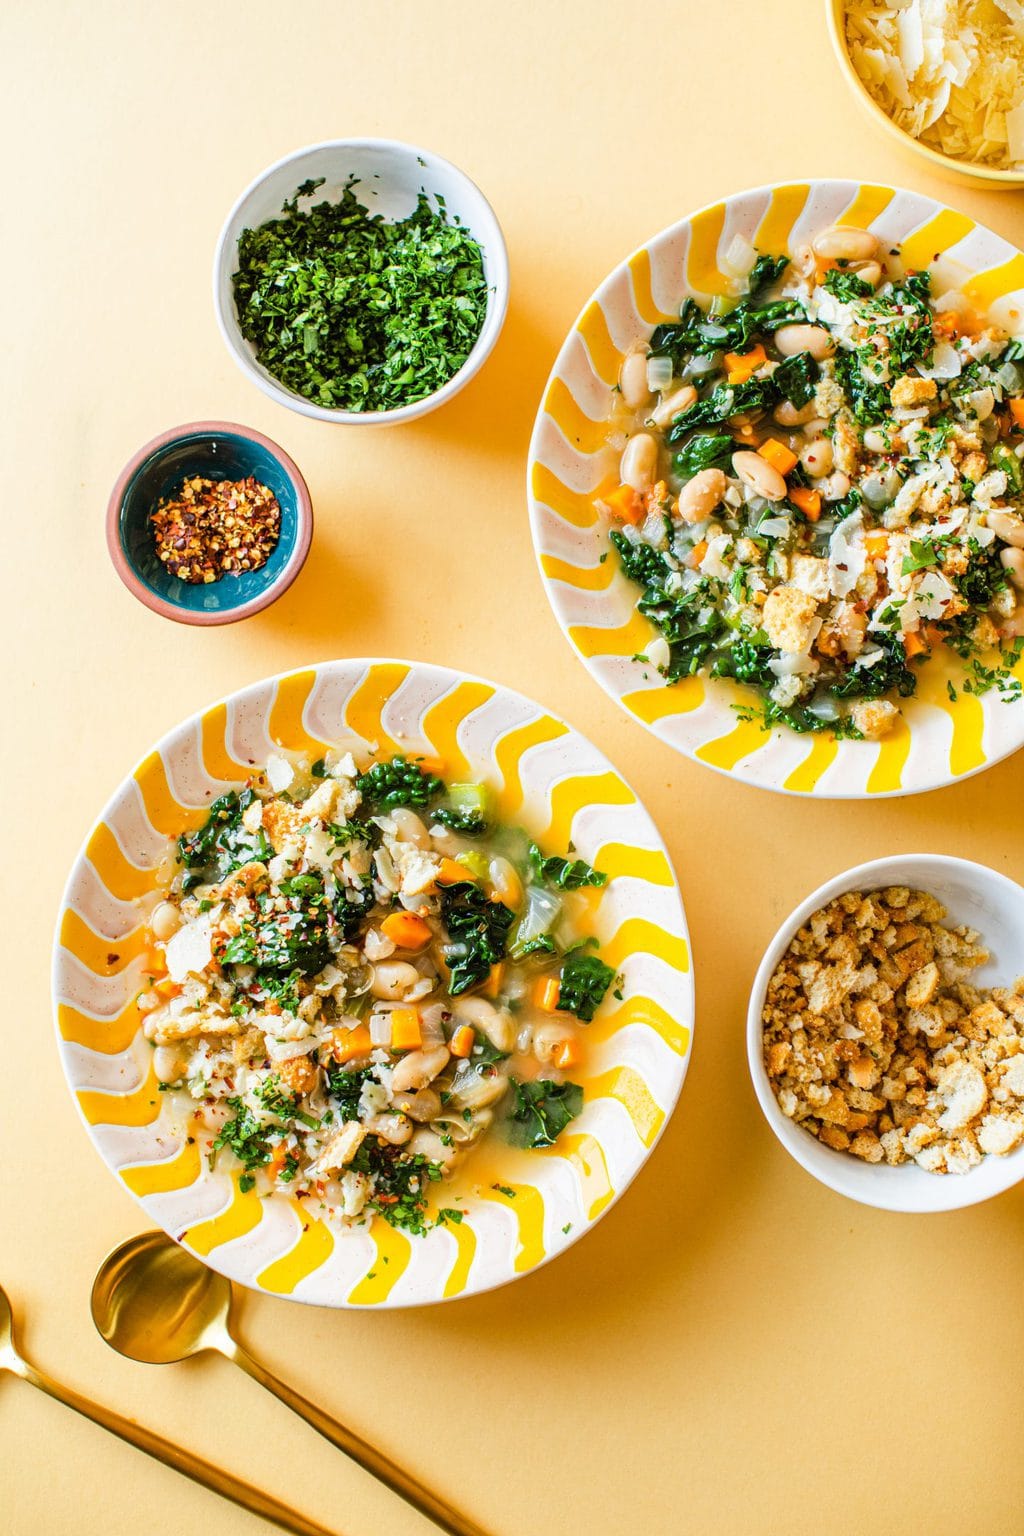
(835, 11)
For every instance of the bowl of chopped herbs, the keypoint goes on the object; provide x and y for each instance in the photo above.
(209, 523)
(361, 280)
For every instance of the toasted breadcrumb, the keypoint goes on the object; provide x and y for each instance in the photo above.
(876, 1042)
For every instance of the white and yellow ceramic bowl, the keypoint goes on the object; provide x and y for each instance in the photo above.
(546, 777)
(938, 741)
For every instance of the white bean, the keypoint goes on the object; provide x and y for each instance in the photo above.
(428, 1144)
(548, 1039)
(835, 486)
(392, 979)
(419, 1068)
(1012, 561)
(841, 242)
(700, 496)
(497, 1026)
(409, 828)
(869, 272)
(165, 921)
(422, 1106)
(876, 441)
(506, 883)
(639, 463)
(803, 260)
(816, 458)
(787, 414)
(394, 1129)
(679, 400)
(479, 1090)
(633, 381)
(791, 339)
(1008, 527)
(759, 475)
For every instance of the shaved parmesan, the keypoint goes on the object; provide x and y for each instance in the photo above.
(949, 72)
(190, 951)
(280, 773)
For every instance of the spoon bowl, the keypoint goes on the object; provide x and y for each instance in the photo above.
(156, 1303)
(9, 1360)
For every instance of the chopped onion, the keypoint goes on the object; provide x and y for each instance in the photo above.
(881, 489)
(712, 332)
(380, 1029)
(542, 910)
(700, 364)
(658, 652)
(653, 529)
(739, 259)
(774, 527)
(1010, 377)
(823, 707)
(659, 373)
(792, 664)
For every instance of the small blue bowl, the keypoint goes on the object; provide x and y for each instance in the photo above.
(216, 450)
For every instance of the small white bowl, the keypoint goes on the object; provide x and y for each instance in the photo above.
(391, 176)
(972, 894)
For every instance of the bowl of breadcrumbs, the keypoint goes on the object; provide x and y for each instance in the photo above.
(886, 1033)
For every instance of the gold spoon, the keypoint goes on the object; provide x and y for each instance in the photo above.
(155, 1302)
(171, 1455)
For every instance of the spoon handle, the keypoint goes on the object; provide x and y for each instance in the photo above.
(361, 1451)
(200, 1471)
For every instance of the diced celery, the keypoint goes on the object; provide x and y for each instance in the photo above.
(471, 797)
(476, 863)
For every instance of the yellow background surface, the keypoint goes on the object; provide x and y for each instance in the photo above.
(735, 1349)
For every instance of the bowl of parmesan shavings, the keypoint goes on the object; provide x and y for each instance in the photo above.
(361, 281)
(944, 77)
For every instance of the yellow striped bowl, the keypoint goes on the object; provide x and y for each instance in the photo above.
(939, 740)
(547, 778)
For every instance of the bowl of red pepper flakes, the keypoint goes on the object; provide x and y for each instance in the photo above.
(209, 523)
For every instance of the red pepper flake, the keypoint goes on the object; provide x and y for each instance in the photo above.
(213, 528)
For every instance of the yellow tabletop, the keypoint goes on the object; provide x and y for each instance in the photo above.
(735, 1349)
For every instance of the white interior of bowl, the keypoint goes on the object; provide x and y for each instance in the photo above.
(391, 176)
(972, 894)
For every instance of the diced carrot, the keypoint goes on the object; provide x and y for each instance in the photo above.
(697, 554)
(777, 455)
(568, 1054)
(492, 986)
(452, 873)
(545, 993)
(625, 503)
(278, 1158)
(947, 324)
(167, 988)
(876, 543)
(740, 365)
(406, 930)
(1017, 411)
(155, 964)
(914, 643)
(349, 1043)
(406, 1034)
(807, 500)
(461, 1042)
(822, 265)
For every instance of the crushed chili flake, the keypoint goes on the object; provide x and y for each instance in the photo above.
(213, 528)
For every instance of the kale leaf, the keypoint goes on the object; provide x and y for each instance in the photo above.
(398, 782)
(891, 673)
(248, 1137)
(567, 874)
(746, 661)
(221, 844)
(542, 1111)
(461, 819)
(345, 1089)
(582, 986)
(984, 576)
(352, 904)
(478, 932)
(795, 378)
(705, 450)
(869, 401)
